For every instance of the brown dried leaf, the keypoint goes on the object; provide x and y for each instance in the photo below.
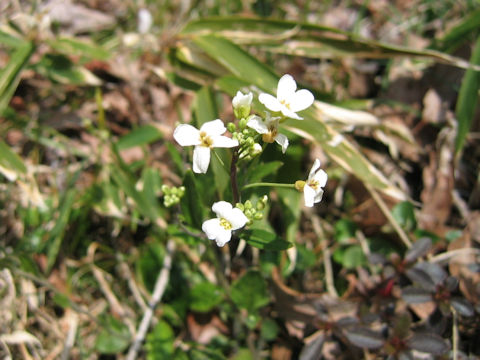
(459, 266)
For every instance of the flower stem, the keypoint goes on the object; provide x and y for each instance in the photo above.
(233, 176)
(269, 185)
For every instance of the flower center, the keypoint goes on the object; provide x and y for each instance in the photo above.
(285, 103)
(225, 224)
(205, 140)
(313, 184)
(271, 135)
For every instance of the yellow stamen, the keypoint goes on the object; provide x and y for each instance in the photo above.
(225, 224)
(314, 184)
(205, 140)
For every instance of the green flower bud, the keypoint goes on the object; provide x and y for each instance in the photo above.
(299, 185)
(242, 124)
(240, 206)
(231, 127)
(248, 204)
(181, 191)
(165, 189)
(258, 216)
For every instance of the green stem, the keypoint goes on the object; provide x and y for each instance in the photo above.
(269, 185)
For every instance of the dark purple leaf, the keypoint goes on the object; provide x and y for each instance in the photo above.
(421, 278)
(418, 249)
(462, 306)
(429, 343)
(414, 295)
(365, 338)
(451, 283)
(435, 271)
(312, 350)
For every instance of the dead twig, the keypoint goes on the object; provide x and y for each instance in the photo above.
(159, 289)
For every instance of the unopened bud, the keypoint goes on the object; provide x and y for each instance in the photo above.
(231, 127)
(299, 185)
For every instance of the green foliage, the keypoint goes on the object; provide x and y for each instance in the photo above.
(159, 343)
(249, 292)
(205, 296)
(468, 98)
(114, 336)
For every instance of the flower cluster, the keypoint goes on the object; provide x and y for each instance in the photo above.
(172, 195)
(253, 212)
(250, 128)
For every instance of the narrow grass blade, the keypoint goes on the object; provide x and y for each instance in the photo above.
(10, 75)
(467, 99)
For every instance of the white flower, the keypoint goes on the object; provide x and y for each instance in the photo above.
(145, 21)
(312, 188)
(228, 219)
(288, 100)
(268, 129)
(242, 99)
(208, 137)
(241, 104)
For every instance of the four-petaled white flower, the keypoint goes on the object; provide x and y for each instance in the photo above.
(288, 100)
(208, 137)
(228, 219)
(312, 188)
(268, 129)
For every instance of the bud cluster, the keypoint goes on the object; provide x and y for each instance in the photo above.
(172, 194)
(253, 212)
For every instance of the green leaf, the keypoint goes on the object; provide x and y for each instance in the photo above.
(10, 75)
(250, 291)
(269, 329)
(61, 69)
(149, 263)
(265, 240)
(113, 338)
(404, 214)
(350, 257)
(160, 341)
(467, 99)
(191, 203)
(11, 165)
(345, 230)
(127, 182)
(140, 136)
(459, 34)
(304, 39)
(259, 171)
(72, 46)
(205, 296)
(56, 235)
(238, 62)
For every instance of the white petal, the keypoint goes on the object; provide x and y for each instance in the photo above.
(212, 228)
(237, 218)
(222, 209)
(318, 196)
(308, 195)
(242, 100)
(257, 124)
(315, 167)
(321, 177)
(223, 237)
(270, 102)
(201, 159)
(224, 142)
(214, 127)
(289, 113)
(282, 140)
(286, 87)
(301, 100)
(186, 135)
